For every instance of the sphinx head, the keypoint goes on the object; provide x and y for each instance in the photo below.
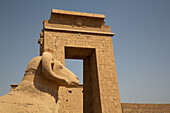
(55, 71)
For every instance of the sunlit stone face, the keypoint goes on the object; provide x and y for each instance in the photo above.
(54, 70)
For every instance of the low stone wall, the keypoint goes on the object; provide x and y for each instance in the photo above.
(145, 108)
(72, 99)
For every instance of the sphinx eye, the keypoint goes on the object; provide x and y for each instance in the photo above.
(60, 66)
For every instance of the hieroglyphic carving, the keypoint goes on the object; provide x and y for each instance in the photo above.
(104, 51)
(78, 30)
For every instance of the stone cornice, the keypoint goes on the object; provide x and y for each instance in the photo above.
(57, 11)
(79, 31)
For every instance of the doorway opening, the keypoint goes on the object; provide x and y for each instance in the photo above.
(91, 94)
(76, 66)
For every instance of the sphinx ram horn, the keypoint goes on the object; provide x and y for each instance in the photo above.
(47, 62)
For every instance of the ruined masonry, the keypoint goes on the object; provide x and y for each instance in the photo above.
(77, 35)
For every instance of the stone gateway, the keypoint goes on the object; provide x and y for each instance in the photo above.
(77, 35)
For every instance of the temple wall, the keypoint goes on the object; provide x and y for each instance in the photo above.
(145, 108)
(73, 98)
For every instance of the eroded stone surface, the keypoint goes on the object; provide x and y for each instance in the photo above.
(145, 108)
(76, 35)
(38, 91)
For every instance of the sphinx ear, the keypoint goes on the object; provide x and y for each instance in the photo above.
(47, 62)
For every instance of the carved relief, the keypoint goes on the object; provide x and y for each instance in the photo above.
(78, 22)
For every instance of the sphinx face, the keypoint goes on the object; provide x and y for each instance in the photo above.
(55, 71)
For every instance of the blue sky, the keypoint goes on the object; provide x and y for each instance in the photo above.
(141, 42)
